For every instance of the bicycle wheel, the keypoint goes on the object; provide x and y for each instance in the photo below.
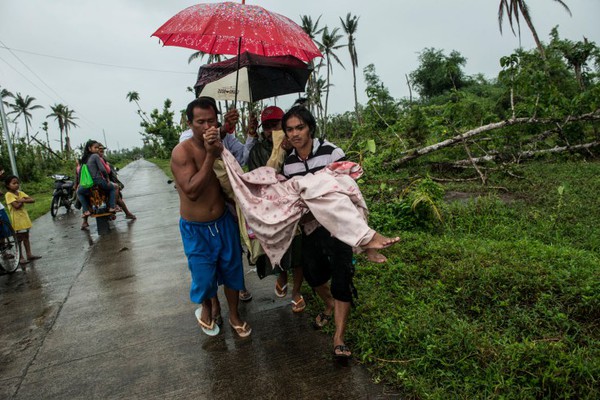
(55, 205)
(10, 252)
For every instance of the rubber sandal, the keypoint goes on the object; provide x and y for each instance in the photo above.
(280, 291)
(210, 330)
(341, 356)
(298, 306)
(321, 320)
(84, 226)
(242, 331)
(245, 295)
(130, 216)
(32, 258)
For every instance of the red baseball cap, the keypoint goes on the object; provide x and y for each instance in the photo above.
(271, 113)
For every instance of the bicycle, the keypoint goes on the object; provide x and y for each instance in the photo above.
(10, 248)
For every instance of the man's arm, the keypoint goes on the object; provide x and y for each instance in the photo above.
(240, 151)
(189, 180)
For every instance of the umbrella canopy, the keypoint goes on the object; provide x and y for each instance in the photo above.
(260, 77)
(233, 28)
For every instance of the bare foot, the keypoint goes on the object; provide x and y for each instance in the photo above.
(381, 242)
(374, 256)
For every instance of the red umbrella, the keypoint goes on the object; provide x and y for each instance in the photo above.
(233, 28)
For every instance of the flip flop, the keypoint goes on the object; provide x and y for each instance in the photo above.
(341, 356)
(23, 262)
(130, 216)
(34, 258)
(245, 295)
(321, 320)
(243, 330)
(280, 291)
(210, 330)
(298, 306)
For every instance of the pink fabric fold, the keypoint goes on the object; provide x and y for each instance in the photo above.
(273, 206)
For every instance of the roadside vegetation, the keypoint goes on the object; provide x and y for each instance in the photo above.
(492, 184)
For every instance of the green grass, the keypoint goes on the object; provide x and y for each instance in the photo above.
(502, 302)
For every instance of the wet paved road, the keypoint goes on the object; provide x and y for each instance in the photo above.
(109, 317)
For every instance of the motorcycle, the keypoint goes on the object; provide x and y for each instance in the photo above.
(63, 193)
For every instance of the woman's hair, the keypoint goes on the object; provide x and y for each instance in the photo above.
(86, 151)
(304, 115)
(9, 178)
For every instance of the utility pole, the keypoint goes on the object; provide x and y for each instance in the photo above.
(105, 142)
(11, 155)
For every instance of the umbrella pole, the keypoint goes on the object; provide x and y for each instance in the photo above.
(237, 72)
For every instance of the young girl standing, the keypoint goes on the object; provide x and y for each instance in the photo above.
(15, 201)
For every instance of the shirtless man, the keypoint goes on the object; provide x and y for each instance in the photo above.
(210, 236)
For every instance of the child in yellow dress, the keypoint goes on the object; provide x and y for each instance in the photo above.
(15, 201)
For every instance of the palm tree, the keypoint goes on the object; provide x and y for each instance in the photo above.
(349, 26)
(329, 43)
(23, 106)
(135, 97)
(58, 114)
(513, 8)
(212, 58)
(68, 121)
(312, 30)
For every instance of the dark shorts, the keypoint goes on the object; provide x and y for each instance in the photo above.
(290, 260)
(325, 257)
(214, 256)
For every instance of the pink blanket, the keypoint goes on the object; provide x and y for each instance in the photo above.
(273, 206)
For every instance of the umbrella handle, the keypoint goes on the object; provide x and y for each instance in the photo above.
(237, 72)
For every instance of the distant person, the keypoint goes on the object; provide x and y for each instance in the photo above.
(15, 201)
(99, 175)
(209, 233)
(270, 120)
(114, 179)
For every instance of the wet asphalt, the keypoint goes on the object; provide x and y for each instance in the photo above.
(103, 317)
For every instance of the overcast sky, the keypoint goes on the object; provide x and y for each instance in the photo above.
(391, 33)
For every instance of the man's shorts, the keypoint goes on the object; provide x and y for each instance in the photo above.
(214, 254)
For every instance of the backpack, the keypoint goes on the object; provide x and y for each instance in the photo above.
(85, 179)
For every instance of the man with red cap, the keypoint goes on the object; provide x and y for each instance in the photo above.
(270, 120)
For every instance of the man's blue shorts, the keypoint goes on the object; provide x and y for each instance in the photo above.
(214, 254)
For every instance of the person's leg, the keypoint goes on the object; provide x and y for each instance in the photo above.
(216, 310)
(342, 290)
(341, 312)
(316, 271)
(82, 195)
(324, 293)
(21, 238)
(123, 206)
(298, 277)
(109, 189)
(281, 284)
(198, 248)
(231, 270)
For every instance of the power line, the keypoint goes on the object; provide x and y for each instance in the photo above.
(41, 80)
(33, 72)
(26, 78)
(95, 63)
